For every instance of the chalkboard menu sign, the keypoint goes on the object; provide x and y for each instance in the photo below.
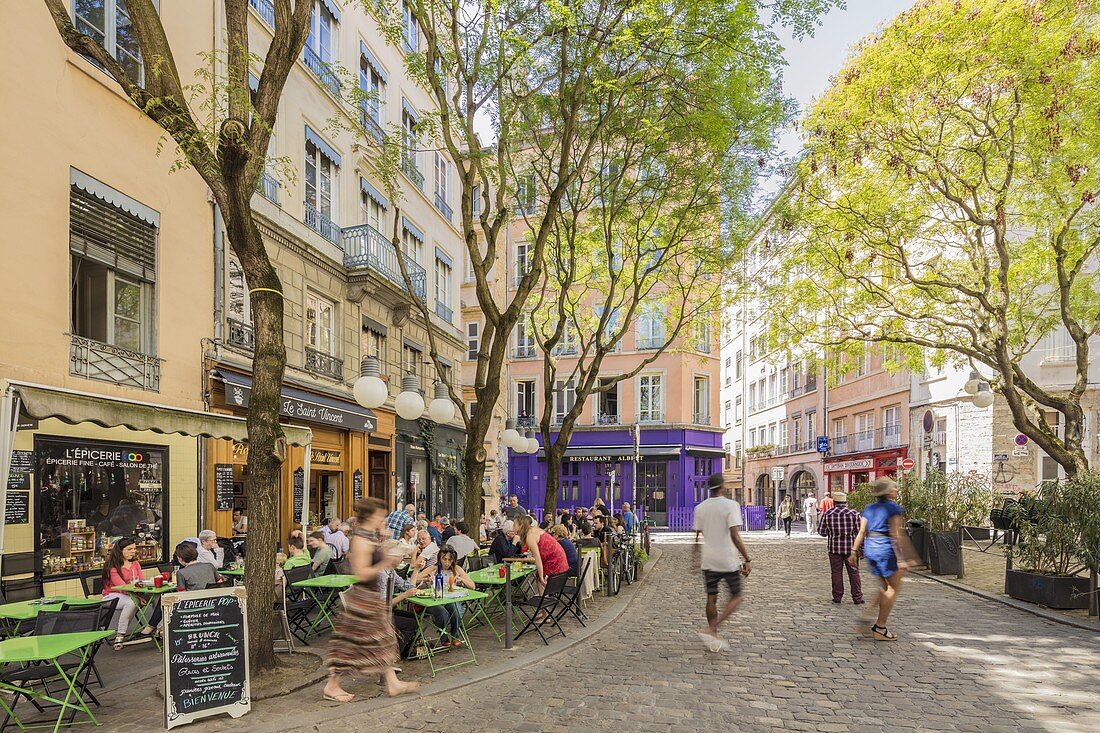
(357, 485)
(17, 508)
(299, 493)
(205, 655)
(223, 486)
(22, 465)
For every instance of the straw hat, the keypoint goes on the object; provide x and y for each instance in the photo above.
(840, 497)
(883, 486)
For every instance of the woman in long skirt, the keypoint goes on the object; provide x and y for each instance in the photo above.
(364, 640)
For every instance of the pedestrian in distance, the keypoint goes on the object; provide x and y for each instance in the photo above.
(364, 640)
(786, 513)
(839, 526)
(882, 538)
(724, 557)
(809, 511)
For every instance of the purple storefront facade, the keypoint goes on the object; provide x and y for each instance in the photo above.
(664, 485)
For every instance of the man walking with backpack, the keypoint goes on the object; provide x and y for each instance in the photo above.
(724, 557)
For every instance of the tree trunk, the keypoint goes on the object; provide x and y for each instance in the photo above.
(266, 442)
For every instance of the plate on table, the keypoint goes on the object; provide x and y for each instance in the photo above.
(427, 593)
(46, 601)
(454, 594)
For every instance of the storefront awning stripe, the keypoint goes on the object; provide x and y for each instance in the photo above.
(73, 407)
(303, 403)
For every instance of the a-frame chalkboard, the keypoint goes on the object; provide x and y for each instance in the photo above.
(205, 655)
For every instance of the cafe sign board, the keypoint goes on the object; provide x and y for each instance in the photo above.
(858, 464)
(205, 655)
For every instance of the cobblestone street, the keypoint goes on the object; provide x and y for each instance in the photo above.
(795, 664)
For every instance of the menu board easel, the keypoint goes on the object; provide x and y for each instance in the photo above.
(205, 655)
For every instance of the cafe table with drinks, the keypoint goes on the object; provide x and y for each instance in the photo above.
(494, 579)
(147, 594)
(424, 648)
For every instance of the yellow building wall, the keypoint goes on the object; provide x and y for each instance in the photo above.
(182, 498)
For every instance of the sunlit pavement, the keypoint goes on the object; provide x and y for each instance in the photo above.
(795, 663)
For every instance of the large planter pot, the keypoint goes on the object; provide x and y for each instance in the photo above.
(1052, 591)
(944, 553)
(918, 537)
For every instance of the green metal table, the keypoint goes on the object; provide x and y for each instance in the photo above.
(493, 604)
(23, 611)
(144, 597)
(49, 649)
(325, 590)
(421, 607)
(232, 572)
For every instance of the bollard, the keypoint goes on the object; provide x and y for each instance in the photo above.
(507, 605)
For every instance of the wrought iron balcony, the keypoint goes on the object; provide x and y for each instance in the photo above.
(408, 166)
(241, 335)
(443, 207)
(370, 124)
(868, 440)
(317, 361)
(569, 349)
(364, 246)
(444, 312)
(266, 9)
(96, 360)
(268, 187)
(703, 347)
(644, 343)
(524, 352)
(321, 70)
(321, 224)
(607, 419)
(701, 418)
(525, 422)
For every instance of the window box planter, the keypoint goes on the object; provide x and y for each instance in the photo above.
(1052, 591)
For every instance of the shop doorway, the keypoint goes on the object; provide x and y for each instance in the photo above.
(653, 485)
(378, 475)
(325, 495)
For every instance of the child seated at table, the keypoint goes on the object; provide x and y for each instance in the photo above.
(193, 575)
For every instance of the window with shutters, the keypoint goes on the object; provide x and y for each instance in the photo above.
(112, 246)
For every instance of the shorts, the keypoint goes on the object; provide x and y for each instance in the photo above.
(881, 559)
(733, 581)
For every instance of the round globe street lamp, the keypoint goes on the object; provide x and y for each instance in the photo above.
(370, 390)
(983, 396)
(410, 403)
(441, 410)
(532, 444)
(511, 436)
(971, 386)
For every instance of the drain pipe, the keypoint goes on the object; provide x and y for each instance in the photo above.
(219, 275)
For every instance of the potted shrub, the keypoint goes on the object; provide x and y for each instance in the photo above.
(1058, 535)
(942, 502)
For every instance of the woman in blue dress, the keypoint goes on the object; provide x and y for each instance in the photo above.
(885, 545)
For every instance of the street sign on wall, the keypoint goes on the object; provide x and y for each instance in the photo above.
(823, 444)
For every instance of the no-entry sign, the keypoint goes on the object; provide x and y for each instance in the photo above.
(908, 463)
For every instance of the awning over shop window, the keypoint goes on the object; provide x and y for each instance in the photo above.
(78, 407)
(301, 405)
(694, 450)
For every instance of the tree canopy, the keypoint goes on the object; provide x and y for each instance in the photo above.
(946, 201)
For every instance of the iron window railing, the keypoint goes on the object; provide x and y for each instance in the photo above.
(318, 361)
(443, 207)
(408, 165)
(266, 9)
(444, 312)
(241, 335)
(606, 419)
(268, 187)
(321, 70)
(365, 246)
(702, 418)
(96, 360)
(371, 126)
(524, 352)
(649, 343)
(321, 224)
(525, 422)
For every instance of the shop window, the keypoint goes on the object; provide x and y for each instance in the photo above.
(90, 493)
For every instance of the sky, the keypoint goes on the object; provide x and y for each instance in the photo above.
(813, 60)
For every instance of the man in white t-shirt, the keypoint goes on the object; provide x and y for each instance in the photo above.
(809, 511)
(724, 558)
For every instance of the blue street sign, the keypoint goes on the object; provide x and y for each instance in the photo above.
(823, 444)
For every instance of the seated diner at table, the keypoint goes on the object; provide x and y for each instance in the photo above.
(296, 553)
(192, 574)
(504, 543)
(240, 522)
(320, 551)
(463, 544)
(122, 569)
(428, 550)
(587, 539)
(208, 548)
(407, 543)
(546, 553)
(561, 534)
(447, 617)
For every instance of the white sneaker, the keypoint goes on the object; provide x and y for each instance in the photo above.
(712, 643)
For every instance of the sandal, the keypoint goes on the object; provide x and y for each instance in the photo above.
(881, 633)
(457, 642)
(119, 641)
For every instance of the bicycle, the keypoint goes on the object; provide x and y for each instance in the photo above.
(620, 564)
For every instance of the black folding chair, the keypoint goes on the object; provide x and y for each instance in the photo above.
(25, 588)
(298, 604)
(476, 562)
(166, 567)
(225, 582)
(92, 584)
(571, 594)
(545, 605)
